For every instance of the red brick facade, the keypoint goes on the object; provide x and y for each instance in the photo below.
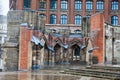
(97, 23)
(25, 37)
(71, 12)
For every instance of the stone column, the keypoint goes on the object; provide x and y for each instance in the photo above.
(67, 56)
(71, 54)
(34, 57)
(38, 56)
(83, 56)
(52, 58)
(62, 54)
(42, 56)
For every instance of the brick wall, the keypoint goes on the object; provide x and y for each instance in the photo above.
(34, 5)
(71, 12)
(25, 36)
(97, 23)
(19, 5)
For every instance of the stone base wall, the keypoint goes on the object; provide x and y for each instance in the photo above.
(116, 50)
(11, 60)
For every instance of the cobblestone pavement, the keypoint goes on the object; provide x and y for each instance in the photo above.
(41, 75)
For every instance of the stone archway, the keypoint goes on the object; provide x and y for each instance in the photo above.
(76, 52)
(37, 60)
(57, 55)
(46, 54)
(77, 55)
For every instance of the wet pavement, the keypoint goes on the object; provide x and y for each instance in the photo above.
(42, 75)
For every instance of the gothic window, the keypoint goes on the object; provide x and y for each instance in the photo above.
(52, 19)
(114, 5)
(78, 5)
(114, 20)
(78, 19)
(63, 19)
(42, 4)
(89, 5)
(27, 3)
(100, 5)
(53, 4)
(64, 4)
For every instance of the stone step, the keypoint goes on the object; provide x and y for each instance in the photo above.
(105, 68)
(93, 73)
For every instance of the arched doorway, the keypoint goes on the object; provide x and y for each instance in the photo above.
(36, 56)
(57, 57)
(46, 55)
(76, 54)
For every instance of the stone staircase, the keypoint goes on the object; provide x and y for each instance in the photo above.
(105, 68)
(104, 72)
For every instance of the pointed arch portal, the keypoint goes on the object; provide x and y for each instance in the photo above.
(76, 52)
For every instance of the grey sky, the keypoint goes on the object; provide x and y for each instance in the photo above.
(4, 7)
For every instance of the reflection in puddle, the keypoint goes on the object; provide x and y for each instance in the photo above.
(36, 76)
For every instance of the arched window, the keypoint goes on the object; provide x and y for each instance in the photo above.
(115, 5)
(100, 5)
(27, 3)
(89, 5)
(114, 20)
(78, 19)
(63, 19)
(64, 4)
(53, 4)
(78, 5)
(42, 4)
(52, 19)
